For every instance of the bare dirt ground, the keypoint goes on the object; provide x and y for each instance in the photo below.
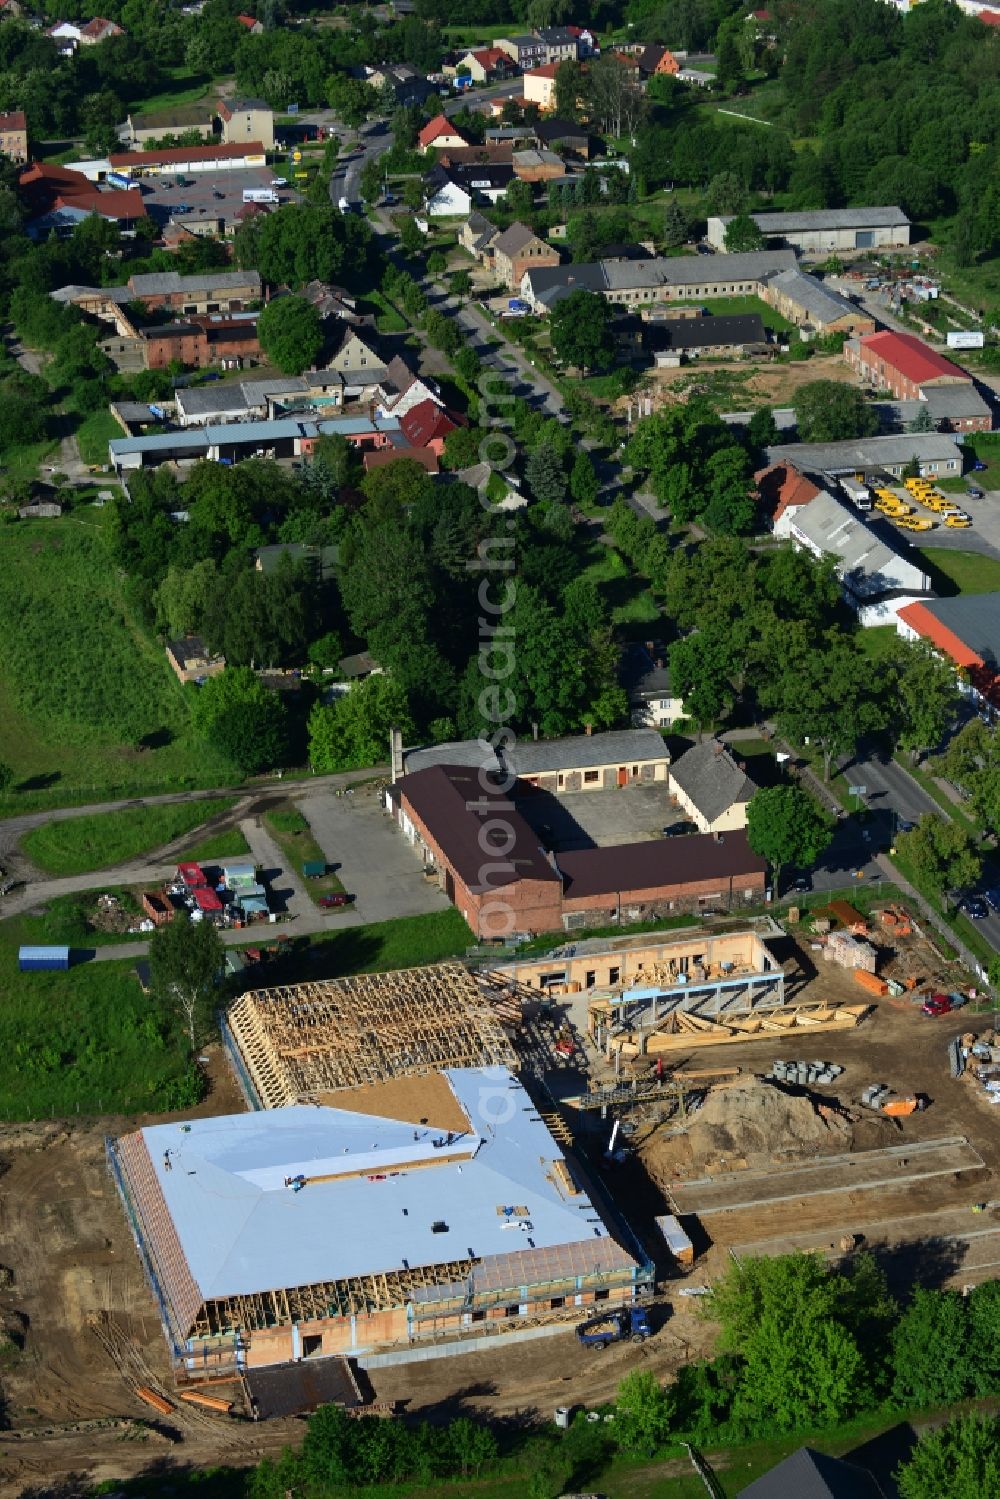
(65, 1240)
(768, 384)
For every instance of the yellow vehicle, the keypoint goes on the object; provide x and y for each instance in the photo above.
(893, 508)
(916, 485)
(914, 523)
(957, 521)
(889, 495)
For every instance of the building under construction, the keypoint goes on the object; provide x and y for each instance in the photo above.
(395, 1184)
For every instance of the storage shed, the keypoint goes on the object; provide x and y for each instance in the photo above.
(191, 875)
(239, 876)
(43, 959)
(675, 1238)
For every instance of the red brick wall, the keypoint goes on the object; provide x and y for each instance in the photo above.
(192, 350)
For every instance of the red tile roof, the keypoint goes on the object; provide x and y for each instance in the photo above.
(184, 153)
(490, 57)
(15, 120)
(248, 21)
(914, 359)
(989, 17)
(122, 203)
(100, 27)
(379, 457)
(425, 423)
(923, 621)
(547, 70)
(783, 486)
(437, 127)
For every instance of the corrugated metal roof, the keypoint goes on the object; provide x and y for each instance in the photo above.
(821, 304)
(868, 452)
(243, 1230)
(827, 218)
(166, 281)
(159, 442)
(866, 562)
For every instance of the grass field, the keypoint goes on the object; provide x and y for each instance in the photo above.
(387, 318)
(229, 844)
(408, 942)
(94, 433)
(960, 572)
(625, 593)
(293, 835)
(85, 1042)
(79, 844)
(65, 919)
(187, 88)
(88, 704)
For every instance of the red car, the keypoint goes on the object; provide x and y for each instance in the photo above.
(938, 1004)
(334, 900)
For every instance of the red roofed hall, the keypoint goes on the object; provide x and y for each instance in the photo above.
(426, 426)
(440, 132)
(966, 629)
(782, 487)
(45, 188)
(902, 364)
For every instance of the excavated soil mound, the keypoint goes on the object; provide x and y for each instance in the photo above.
(758, 1119)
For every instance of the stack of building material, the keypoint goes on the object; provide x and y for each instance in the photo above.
(850, 952)
(804, 1074)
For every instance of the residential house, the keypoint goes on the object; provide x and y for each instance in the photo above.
(526, 50)
(540, 86)
(401, 390)
(192, 660)
(561, 43)
(446, 198)
(869, 561)
(14, 135)
(427, 425)
(814, 1475)
(489, 65)
(403, 82)
(645, 675)
(812, 306)
(534, 165)
(516, 250)
(247, 120)
(825, 230)
(938, 456)
(476, 234)
(399, 448)
(331, 301)
(966, 629)
(439, 134)
(358, 359)
(495, 153)
(12, 10)
(565, 136)
(586, 40)
(713, 787)
(251, 24)
(654, 60)
(453, 190)
(69, 36)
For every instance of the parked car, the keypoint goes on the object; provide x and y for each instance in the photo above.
(979, 467)
(801, 885)
(938, 1004)
(330, 901)
(974, 907)
(904, 825)
(679, 829)
(993, 898)
(974, 492)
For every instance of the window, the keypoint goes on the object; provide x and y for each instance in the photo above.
(556, 1302)
(590, 978)
(590, 777)
(312, 1345)
(635, 770)
(614, 975)
(602, 1294)
(560, 780)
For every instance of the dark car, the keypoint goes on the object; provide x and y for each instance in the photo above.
(979, 466)
(974, 907)
(801, 885)
(679, 829)
(974, 492)
(992, 897)
(329, 901)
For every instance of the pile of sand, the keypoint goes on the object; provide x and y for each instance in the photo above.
(758, 1119)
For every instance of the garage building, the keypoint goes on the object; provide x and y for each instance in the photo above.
(824, 230)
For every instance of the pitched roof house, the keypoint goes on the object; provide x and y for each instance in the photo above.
(440, 133)
(426, 425)
(814, 1475)
(712, 787)
(516, 250)
(966, 630)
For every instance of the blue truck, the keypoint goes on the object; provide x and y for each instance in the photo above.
(627, 1323)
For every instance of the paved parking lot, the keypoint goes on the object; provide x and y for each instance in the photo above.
(589, 819)
(371, 857)
(982, 536)
(162, 195)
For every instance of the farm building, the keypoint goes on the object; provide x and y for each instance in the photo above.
(395, 1113)
(824, 229)
(712, 787)
(582, 762)
(902, 364)
(938, 455)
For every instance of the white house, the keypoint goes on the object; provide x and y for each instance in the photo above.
(449, 200)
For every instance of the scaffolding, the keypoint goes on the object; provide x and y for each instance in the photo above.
(300, 1043)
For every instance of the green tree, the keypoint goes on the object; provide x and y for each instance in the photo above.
(726, 194)
(960, 1460)
(291, 333)
(411, 240)
(931, 1357)
(353, 731)
(926, 696)
(183, 597)
(972, 761)
(802, 1369)
(785, 825)
(580, 331)
(519, 198)
(732, 502)
(742, 235)
(6, 777)
(244, 719)
(371, 180)
(829, 695)
(829, 411)
(569, 89)
(942, 852)
(545, 475)
(583, 482)
(675, 225)
(644, 1412)
(922, 422)
(185, 960)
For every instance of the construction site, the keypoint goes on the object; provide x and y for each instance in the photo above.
(511, 1145)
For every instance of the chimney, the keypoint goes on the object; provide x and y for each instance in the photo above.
(588, 729)
(534, 730)
(395, 755)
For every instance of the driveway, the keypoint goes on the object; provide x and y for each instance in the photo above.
(371, 857)
(285, 893)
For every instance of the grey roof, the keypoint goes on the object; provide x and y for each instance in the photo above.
(694, 270)
(868, 452)
(625, 746)
(165, 281)
(514, 238)
(955, 401)
(474, 754)
(206, 400)
(708, 774)
(549, 284)
(814, 1475)
(161, 442)
(258, 391)
(818, 301)
(133, 411)
(974, 618)
(644, 672)
(556, 36)
(523, 39)
(538, 157)
(828, 218)
(705, 332)
(266, 1236)
(866, 563)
